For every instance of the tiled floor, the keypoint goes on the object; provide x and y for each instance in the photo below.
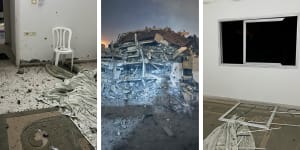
(287, 137)
(18, 92)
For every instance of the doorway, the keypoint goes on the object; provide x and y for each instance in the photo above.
(6, 31)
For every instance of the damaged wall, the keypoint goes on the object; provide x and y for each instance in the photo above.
(79, 15)
(274, 85)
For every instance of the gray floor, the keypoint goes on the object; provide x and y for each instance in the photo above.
(286, 138)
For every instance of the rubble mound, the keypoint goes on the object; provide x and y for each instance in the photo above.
(143, 66)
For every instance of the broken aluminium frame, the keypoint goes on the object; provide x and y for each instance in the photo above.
(266, 126)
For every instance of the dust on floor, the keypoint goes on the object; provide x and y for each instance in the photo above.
(287, 137)
(19, 88)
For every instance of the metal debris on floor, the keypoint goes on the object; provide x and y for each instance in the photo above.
(77, 98)
(243, 121)
(244, 110)
(230, 136)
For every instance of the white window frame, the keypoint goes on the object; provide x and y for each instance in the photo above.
(252, 20)
(265, 126)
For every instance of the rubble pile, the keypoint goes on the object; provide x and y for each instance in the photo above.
(115, 130)
(126, 88)
(172, 37)
(143, 66)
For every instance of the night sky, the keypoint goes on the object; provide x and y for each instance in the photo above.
(118, 16)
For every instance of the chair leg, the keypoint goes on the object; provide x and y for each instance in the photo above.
(72, 63)
(53, 58)
(56, 59)
(63, 59)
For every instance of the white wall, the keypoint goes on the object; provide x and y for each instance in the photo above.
(12, 27)
(79, 15)
(274, 85)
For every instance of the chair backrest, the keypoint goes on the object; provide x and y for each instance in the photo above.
(61, 38)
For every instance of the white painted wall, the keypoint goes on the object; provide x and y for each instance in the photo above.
(274, 85)
(12, 27)
(79, 15)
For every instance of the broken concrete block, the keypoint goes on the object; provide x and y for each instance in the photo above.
(159, 38)
(93, 130)
(53, 148)
(29, 91)
(168, 131)
(20, 71)
(179, 51)
(187, 97)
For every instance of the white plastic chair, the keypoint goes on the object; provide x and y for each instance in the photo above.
(62, 43)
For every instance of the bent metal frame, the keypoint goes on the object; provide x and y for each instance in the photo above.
(266, 126)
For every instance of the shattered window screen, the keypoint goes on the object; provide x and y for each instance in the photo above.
(259, 114)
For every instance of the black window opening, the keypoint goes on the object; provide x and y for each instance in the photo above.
(271, 40)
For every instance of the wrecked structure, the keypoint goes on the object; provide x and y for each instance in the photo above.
(143, 64)
(149, 76)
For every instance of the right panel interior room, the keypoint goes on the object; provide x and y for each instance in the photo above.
(251, 74)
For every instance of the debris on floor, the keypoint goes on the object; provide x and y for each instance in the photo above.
(168, 131)
(58, 72)
(244, 110)
(271, 127)
(19, 88)
(77, 98)
(114, 131)
(230, 136)
(3, 56)
(20, 71)
(18, 92)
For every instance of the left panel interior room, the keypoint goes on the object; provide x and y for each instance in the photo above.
(48, 76)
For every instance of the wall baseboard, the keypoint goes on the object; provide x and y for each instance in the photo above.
(228, 100)
(42, 63)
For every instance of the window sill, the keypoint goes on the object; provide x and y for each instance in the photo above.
(261, 65)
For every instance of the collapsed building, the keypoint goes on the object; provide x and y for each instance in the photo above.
(141, 64)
